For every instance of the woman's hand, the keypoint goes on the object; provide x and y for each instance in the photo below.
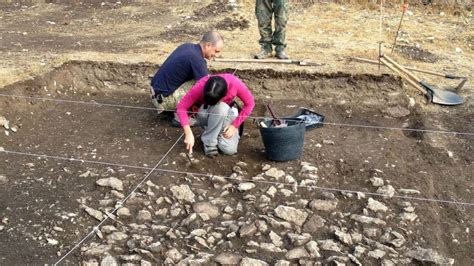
(188, 138)
(229, 131)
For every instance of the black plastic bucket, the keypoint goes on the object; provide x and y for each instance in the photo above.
(283, 143)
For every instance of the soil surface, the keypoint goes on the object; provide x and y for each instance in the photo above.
(97, 60)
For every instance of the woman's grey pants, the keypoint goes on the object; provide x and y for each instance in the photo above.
(213, 120)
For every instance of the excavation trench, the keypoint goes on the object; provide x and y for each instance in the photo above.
(43, 193)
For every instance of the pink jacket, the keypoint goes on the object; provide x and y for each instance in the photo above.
(235, 87)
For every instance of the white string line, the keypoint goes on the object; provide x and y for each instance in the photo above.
(247, 180)
(435, 131)
(119, 203)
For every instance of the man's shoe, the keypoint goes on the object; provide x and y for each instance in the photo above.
(264, 53)
(175, 121)
(282, 55)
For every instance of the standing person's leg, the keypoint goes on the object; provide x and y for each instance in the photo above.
(263, 12)
(279, 35)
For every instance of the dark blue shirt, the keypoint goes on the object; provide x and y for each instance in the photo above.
(184, 64)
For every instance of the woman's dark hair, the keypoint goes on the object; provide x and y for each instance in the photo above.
(214, 90)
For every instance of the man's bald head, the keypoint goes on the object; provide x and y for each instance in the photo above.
(211, 43)
(212, 37)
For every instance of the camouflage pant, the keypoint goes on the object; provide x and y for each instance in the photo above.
(264, 10)
(169, 103)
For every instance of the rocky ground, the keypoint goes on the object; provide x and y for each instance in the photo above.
(352, 197)
(195, 221)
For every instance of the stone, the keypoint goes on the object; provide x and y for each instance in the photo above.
(145, 263)
(343, 237)
(299, 240)
(131, 258)
(228, 209)
(241, 164)
(399, 240)
(388, 263)
(376, 254)
(409, 191)
(367, 220)
(313, 223)
(329, 245)
(275, 173)
(91, 262)
(270, 247)
(272, 191)
(297, 253)
(376, 181)
(201, 241)
(408, 216)
(228, 259)
(356, 237)
(253, 244)
(282, 263)
(371, 232)
(308, 168)
(291, 214)
(205, 207)
(388, 191)
(88, 173)
(313, 249)
(117, 236)
(248, 230)
(262, 226)
(108, 260)
(52, 242)
(397, 111)
(286, 192)
(328, 142)
(219, 180)
(94, 213)
(162, 212)
(323, 205)
(289, 179)
(144, 216)
(276, 239)
(354, 259)
(4, 122)
(156, 247)
(97, 250)
(3, 180)
(252, 262)
(174, 255)
(183, 192)
(428, 255)
(359, 251)
(111, 182)
(245, 186)
(376, 206)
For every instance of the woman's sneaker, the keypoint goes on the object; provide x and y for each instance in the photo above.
(210, 151)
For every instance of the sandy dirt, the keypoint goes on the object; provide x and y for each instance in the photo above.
(115, 48)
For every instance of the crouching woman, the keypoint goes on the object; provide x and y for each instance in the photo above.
(217, 115)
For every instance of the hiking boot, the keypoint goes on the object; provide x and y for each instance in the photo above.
(264, 53)
(175, 121)
(282, 55)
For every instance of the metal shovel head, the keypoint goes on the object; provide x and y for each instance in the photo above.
(443, 97)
